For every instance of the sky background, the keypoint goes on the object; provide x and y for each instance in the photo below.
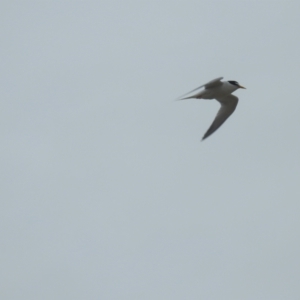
(107, 191)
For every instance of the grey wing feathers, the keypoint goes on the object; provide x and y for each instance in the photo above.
(228, 106)
(213, 83)
(210, 84)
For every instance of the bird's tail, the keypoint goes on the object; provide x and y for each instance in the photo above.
(187, 98)
(191, 97)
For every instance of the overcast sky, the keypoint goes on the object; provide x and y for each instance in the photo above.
(107, 191)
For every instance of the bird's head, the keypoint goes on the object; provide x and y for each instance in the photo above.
(236, 84)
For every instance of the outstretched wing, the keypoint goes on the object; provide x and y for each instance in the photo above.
(210, 84)
(213, 83)
(228, 105)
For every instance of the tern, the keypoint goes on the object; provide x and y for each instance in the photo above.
(222, 92)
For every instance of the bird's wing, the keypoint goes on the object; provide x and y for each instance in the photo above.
(213, 83)
(228, 105)
(210, 84)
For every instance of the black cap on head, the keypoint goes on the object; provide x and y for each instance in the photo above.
(234, 82)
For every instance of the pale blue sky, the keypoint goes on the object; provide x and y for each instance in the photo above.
(106, 190)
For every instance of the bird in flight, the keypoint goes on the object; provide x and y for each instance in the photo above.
(221, 91)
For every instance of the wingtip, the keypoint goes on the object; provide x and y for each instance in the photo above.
(205, 136)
